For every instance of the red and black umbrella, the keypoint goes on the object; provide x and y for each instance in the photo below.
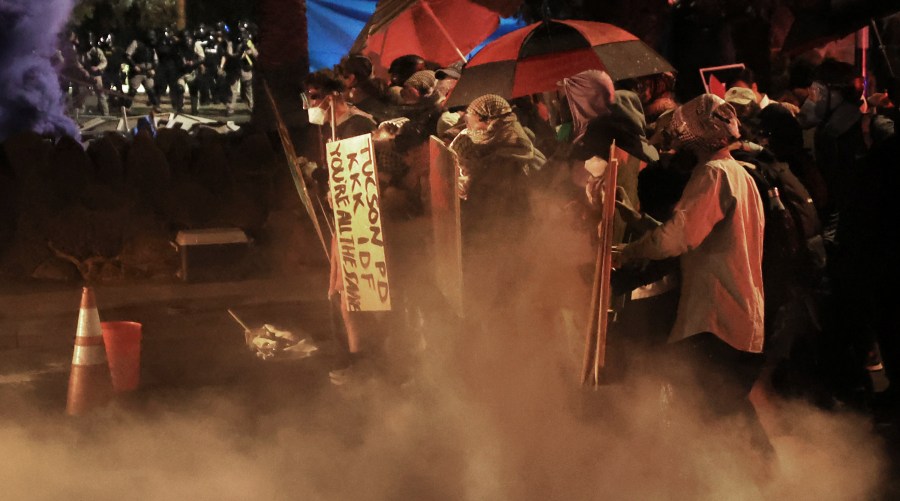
(534, 58)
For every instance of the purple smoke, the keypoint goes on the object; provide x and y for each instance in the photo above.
(30, 96)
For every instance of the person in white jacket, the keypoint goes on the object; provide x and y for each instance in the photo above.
(716, 231)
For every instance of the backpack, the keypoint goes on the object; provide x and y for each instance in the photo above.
(793, 246)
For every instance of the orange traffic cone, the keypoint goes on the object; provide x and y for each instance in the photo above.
(90, 384)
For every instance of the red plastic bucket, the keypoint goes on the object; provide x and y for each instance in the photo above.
(123, 351)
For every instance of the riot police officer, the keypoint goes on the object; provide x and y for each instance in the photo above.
(243, 55)
(167, 71)
(114, 74)
(142, 61)
(190, 63)
(95, 62)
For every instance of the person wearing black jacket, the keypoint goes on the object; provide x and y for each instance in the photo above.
(142, 61)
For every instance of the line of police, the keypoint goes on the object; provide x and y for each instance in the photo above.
(210, 65)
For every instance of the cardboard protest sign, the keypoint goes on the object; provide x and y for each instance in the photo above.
(716, 77)
(355, 198)
(445, 219)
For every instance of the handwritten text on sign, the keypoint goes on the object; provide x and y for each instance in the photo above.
(357, 217)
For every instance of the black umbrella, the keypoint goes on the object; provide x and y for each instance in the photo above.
(832, 20)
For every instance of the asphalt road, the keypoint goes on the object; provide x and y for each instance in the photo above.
(183, 347)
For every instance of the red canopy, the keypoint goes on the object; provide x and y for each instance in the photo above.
(427, 27)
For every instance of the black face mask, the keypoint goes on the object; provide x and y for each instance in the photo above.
(683, 160)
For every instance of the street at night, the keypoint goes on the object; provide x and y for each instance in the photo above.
(449, 249)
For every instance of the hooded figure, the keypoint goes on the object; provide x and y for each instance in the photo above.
(602, 115)
(839, 140)
(590, 94)
(612, 116)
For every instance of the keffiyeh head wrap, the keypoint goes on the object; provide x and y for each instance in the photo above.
(423, 81)
(489, 107)
(705, 124)
(495, 111)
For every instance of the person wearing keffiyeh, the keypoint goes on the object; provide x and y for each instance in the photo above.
(493, 137)
(495, 156)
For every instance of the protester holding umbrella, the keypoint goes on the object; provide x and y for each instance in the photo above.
(366, 92)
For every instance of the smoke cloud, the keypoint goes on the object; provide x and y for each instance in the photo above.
(30, 95)
(491, 411)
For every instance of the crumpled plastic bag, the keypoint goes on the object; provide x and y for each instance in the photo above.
(269, 342)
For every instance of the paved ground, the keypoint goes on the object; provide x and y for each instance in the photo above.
(215, 112)
(178, 319)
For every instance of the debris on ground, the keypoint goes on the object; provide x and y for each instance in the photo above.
(269, 342)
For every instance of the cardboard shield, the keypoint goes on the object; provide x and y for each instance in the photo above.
(445, 218)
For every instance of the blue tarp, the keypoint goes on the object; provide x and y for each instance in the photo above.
(507, 24)
(333, 27)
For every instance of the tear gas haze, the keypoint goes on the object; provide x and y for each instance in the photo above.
(492, 411)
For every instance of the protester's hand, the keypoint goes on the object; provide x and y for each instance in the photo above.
(593, 190)
(390, 128)
(616, 256)
(813, 92)
(463, 180)
(880, 100)
(793, 108)
(750, 146)
(626, 209)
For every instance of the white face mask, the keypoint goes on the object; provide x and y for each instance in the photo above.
(316, 115)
